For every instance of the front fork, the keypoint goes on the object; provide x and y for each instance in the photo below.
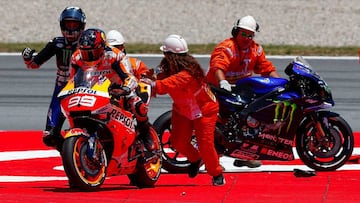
(91, 149)
(321, 129)
(322, 124)
(91, 138)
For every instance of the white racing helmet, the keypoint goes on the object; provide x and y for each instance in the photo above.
(115, 38)
(175, 44)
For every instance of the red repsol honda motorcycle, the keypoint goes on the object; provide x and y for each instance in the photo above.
(103, 140)
(264, 118)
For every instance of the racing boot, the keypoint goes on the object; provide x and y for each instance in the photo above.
(218, 180)
(52, 138)
(144, 133)
(193, 169)
(247, 163)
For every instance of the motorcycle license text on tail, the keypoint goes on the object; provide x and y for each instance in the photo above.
(103, 140)
(264, 118)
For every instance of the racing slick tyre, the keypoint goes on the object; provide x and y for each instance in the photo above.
(84, 171)
(329, 152)
(149, 165)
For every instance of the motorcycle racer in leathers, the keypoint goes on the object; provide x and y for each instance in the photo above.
(72, 23)
(94, 52)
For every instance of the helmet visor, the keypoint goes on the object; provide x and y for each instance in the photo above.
(91, 54)
(72, 25)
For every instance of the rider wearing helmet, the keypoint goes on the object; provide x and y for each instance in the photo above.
(72, 23)
(91, 46)
(194, 107)
(94, 52)
(239, 57)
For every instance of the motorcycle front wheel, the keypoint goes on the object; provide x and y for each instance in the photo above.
(329, 152)
(84, 172)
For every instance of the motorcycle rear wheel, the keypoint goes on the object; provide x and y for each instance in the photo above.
(325, 153)
(148, 166)
(173, 161)
(84, 173)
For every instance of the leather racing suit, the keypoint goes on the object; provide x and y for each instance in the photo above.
(63, 51)
(109, 65)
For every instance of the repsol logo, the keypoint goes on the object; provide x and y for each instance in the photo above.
(122, 118)
(82, 90)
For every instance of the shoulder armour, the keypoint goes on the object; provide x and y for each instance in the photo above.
(59, 42)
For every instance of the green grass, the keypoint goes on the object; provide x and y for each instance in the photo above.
(207, 48)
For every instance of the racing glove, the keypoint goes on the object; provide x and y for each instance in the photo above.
(131, 83)
(27, 54)
(224, 84)
(118, 90)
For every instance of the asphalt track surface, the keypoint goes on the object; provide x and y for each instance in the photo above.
(31, 172)
(25, 94)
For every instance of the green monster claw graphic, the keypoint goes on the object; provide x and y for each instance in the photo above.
(66, 56)
(282, 117)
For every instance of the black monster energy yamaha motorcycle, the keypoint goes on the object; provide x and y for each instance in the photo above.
(264, 118)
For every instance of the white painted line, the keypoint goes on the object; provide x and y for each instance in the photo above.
(19, 179)
(30, 154)
(229, 167)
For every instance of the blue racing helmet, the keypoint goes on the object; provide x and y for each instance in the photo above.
(72, 23)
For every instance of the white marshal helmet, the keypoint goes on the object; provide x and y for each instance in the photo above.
(115, 38)
(247, 23)
(175, 44)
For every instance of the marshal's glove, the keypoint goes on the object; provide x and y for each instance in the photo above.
(27, 54)
(224, 84)
(148, 81)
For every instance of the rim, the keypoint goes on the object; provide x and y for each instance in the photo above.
(153, 166)
(90, 170)
(329, 150)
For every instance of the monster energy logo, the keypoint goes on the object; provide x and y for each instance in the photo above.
(66, 56)
(281, 113)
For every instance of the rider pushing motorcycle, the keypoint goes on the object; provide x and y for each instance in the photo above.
(72, 23)
(94, 52)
